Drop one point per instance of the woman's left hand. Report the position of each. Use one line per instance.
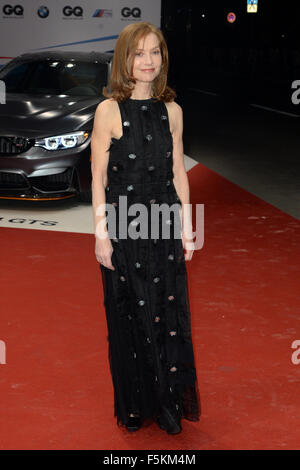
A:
(188, 245)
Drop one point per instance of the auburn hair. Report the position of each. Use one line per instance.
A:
(121, 82)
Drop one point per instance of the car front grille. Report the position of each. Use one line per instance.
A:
(57, 182)
(13, 145)
(12, 180)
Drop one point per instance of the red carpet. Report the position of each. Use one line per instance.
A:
(56, 389)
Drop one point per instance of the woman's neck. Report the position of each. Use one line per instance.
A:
(142, 92)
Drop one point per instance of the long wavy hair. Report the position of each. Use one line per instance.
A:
(121, 83)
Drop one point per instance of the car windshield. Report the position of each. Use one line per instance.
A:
(55, 77)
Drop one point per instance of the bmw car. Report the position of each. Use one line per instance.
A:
(46, 123)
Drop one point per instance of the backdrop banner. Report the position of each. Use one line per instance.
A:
(93, 25)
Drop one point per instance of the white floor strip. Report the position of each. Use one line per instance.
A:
(189, 163)
(68, 215)
(274, 110)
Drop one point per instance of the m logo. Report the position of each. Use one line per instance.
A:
(102, 13)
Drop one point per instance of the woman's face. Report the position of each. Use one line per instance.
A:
(147, 60)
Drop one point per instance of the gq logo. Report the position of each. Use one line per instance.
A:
(133, 12)
(9, 10)
(69, 11)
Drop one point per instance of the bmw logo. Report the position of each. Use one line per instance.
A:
(43, 12)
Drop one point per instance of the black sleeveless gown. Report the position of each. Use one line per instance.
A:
(146, 301)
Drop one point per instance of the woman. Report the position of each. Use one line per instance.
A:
(137, 153)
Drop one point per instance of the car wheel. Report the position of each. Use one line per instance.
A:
(85, 196)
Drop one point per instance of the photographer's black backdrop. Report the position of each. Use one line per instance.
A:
(257, 55)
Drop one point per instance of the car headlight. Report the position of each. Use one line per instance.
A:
(61, 142)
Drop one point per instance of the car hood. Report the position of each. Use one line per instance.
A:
(43, 116)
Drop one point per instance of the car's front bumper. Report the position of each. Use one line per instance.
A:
(42, 175)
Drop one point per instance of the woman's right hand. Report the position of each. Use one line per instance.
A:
(103, 252)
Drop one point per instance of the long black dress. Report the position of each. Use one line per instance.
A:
(146, 298)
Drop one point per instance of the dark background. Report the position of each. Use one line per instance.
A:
(234, 83)
(257, 56)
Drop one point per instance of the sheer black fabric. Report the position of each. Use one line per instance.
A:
(146, 298)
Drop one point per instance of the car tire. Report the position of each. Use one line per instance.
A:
(85, 196)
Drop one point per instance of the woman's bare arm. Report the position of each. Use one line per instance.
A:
(100, 143)
(181, 182)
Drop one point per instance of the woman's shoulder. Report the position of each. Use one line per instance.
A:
(174, 106)
(106, 114)
(174, 109)
(107, 104)
(107, 108)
